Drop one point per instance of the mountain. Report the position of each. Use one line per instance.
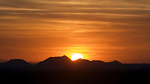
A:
(64, 63)
(115, 62)
(15, 64)
(61, 70)
(55, 63)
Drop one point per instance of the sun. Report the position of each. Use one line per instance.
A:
(76, 56)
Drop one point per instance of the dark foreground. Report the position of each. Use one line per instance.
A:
(61, 70)
(77, 77)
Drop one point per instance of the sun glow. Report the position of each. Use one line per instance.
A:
(76, 56)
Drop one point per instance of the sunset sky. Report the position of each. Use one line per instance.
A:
(105, 30)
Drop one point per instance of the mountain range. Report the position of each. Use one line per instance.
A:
(64, 63)
(62, 70)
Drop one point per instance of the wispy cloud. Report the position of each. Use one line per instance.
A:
(101, 25)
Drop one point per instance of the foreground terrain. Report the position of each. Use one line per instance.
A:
(61, 70)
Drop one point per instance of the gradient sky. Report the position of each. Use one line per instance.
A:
(105, 30)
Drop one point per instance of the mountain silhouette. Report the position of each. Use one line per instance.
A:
(64, 63)
(116, 62)
(55, 63)
(16, 64)
(62, 70)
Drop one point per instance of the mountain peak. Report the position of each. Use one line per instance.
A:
(64, 56)
(62, 62)
(17, 64)
(116, 62)
(16, 61)
(59, 58)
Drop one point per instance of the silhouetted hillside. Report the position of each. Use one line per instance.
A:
(15, 64)
(61, 70)
(55, 63)
(64, 63)
(115, 62)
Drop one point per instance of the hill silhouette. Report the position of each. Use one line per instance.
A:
(65, 63)
(55, 63)
(62, 70)
(15, 65)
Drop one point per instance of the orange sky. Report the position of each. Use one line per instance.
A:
(105, 30)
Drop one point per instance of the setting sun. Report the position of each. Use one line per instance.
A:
(76, 56)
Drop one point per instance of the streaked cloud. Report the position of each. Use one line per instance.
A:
(106, 29)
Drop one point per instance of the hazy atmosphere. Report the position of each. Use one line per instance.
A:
(105, 30)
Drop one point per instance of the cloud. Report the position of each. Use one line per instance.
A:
(107, 25)
(33, 42)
